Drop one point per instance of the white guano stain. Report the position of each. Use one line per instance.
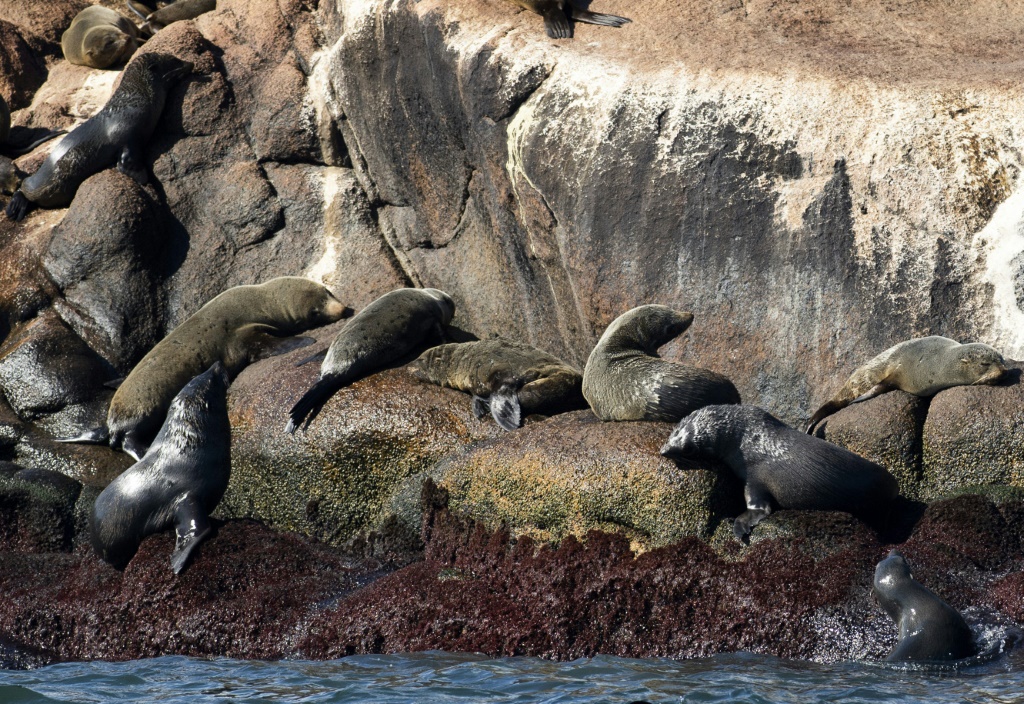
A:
(1000, 242)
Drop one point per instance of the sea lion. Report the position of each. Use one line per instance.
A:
(99, 37)
(557, 24)
(930, 629)
(117, 133)
(236, 328)
(179, 481)
(923, 366)
(397, 324)
(508, 379)
(175, 12)
(626, 380)
(781, 466)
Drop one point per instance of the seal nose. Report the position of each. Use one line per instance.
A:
(335, 309)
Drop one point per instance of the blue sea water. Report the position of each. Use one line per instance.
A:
(436, 678)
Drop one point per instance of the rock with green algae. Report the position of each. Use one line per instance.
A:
(571, 474)
(336, 479)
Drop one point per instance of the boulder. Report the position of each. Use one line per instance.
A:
(37, 510)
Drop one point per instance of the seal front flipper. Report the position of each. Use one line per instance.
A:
(308, 407)
(876, 390)
(759, 507)
(131, 165)
(191, 527)
(505, 407)
(581, 15)
(134, 446)
(822, 413)
(556, 24)
(96, 436)
(18, 207)
(481, 407)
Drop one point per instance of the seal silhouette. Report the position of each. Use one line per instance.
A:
(781, 467)
(930, 629)
(99, 37)
(397, 324)
(556, 13)
(508, 379)
(116, 134)
(923, 366)
(178, 483)
(626, 380)
(237, 327)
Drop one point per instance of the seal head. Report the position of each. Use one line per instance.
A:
(99, 38)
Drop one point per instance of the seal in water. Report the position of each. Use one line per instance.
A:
(923, 366)
(99, 37)
(626, 380)
(930, 629)
(179, 482)
(508, 379)
(168, 14)
(241, 325)
(557, 24)
(117, 133)
(397, 324)
(782, 467)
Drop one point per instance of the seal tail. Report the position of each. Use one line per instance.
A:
(18, 207)
(308, 407)
(96, 436)
(581, 15)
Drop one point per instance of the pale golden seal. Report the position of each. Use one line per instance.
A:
(923, 366)
(508, 379)
(626, 380)
(555, 12)
(237, 327)
(99, 37)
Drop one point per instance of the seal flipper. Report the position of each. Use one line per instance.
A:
(581, 15)
(557, 24)
(505, 407)
(823, 413)
(96, 436)
(481, 406)
(191, 527)
(759, 507)
(132, 166)
(261, 342)
(18, 207)
(134, 447)
(308, 407)
(312, 358)
(876, 390)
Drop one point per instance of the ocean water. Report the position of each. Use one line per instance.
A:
(436, 678)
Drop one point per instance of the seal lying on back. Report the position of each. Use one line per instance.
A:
(626, 380)
(923, 366)
(179, 482)
(507, 379)
(782, 467)
(930, 629)
(99, 37)
(391, 328)
(175, 12)
(237, 327)
(116, 134)
(557, 24)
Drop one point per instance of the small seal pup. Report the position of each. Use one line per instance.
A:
(116, 134)
(508, 379)
(557, 24)
(626, 380)
(930, 629)
(175, 12)
(781, 467)
(923, 366)
(241, 325)
(397, 324)
(99, 37)
(179, 482)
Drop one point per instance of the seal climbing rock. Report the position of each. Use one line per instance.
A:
(116, 134)
(99, 37)
(923, 366)
(179, 481)
(782, 467)
(508, 379)
(626, 380)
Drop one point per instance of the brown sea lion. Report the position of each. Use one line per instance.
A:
(626, 380)
(394, 326)
(556, 23)
(241, 325)
(923, 367)
(782, 467)
(116, 134)
(99, 37)
(508, 379)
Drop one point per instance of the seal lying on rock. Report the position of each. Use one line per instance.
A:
(391, 328)
(175, 12)
(626, 380)
(99, 37)
(923, 366)
(507, 379)
(116, 134)
(557, 24)
(930, 629)
(236, 328)
(179, 482)
(781, 466)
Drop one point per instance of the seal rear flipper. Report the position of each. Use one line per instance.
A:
(481, 407)
(191, 527)
(505, 408)
(581, 15)
(759, 507)
(114, 383)
(18, 207)
(312, 358)
(557, 24)
(131, 165)
(308, 407)
(96, 436)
